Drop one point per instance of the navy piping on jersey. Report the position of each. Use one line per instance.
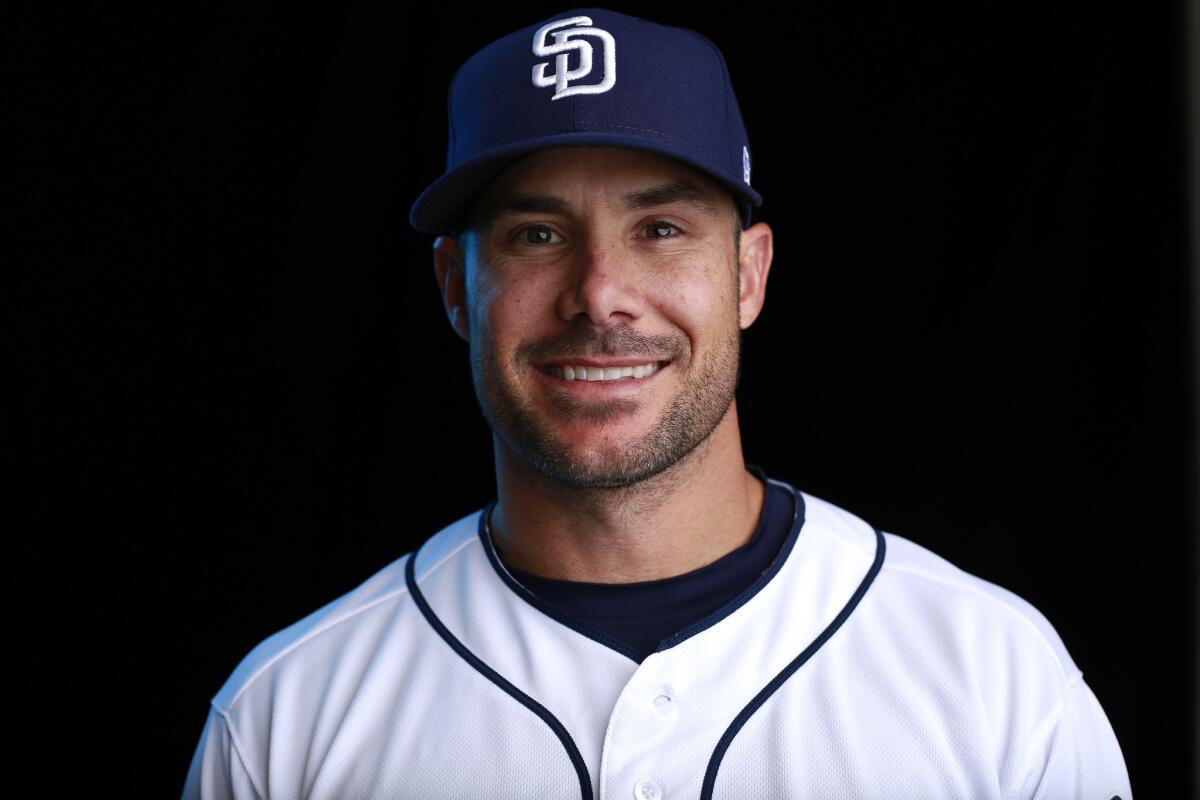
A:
(675, 638)
(585, 781)
(714, 763)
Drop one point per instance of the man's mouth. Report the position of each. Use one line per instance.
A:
(611, 371)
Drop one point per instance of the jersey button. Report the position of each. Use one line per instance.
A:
(662, 700)
(647, 790)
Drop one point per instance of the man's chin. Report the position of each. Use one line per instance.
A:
(608, 469)
(580, 453)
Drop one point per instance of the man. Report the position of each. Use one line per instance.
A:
(639, 612)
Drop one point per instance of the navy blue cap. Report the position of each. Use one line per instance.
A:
(589, 77)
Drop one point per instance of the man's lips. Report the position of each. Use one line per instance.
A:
(580, 361)
(602, 372)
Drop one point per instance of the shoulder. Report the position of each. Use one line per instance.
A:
(341, 632)
(937, 602)
(972, 659)
(966, 600)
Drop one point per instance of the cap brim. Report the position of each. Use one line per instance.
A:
(438, 208)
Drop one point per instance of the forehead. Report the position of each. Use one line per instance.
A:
(607, 176)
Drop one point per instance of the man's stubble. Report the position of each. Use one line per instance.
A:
(688, 420)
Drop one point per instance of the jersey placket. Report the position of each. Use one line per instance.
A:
(666, 728)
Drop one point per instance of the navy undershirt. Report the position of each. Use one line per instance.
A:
(643, 614)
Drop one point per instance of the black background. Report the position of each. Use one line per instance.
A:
(237, 395)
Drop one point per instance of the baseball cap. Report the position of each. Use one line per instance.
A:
(589, 77)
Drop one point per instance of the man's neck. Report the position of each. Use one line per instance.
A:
(704, 506)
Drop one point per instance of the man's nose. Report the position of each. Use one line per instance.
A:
(602, 286)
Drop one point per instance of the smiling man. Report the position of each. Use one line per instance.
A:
(639, 612)
(603, 296)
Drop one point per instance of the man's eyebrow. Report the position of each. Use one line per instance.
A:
(679, 191)
(534, 204)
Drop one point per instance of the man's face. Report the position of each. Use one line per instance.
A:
(602, 261)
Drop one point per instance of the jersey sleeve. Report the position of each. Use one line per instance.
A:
(1078, 757)
(217, 771)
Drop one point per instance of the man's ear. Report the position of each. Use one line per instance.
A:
(757, 250)
(450, 269)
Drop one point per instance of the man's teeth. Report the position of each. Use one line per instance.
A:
(603, 373)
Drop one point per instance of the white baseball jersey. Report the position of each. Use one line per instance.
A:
(859, 665)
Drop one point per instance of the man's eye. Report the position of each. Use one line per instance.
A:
(661, 230)
(536, 234)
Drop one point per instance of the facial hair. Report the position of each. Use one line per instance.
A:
(690, 417)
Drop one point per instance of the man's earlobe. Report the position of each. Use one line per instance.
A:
(459, 321)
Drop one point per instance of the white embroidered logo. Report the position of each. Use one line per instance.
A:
(746, 164)
(562, 47)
